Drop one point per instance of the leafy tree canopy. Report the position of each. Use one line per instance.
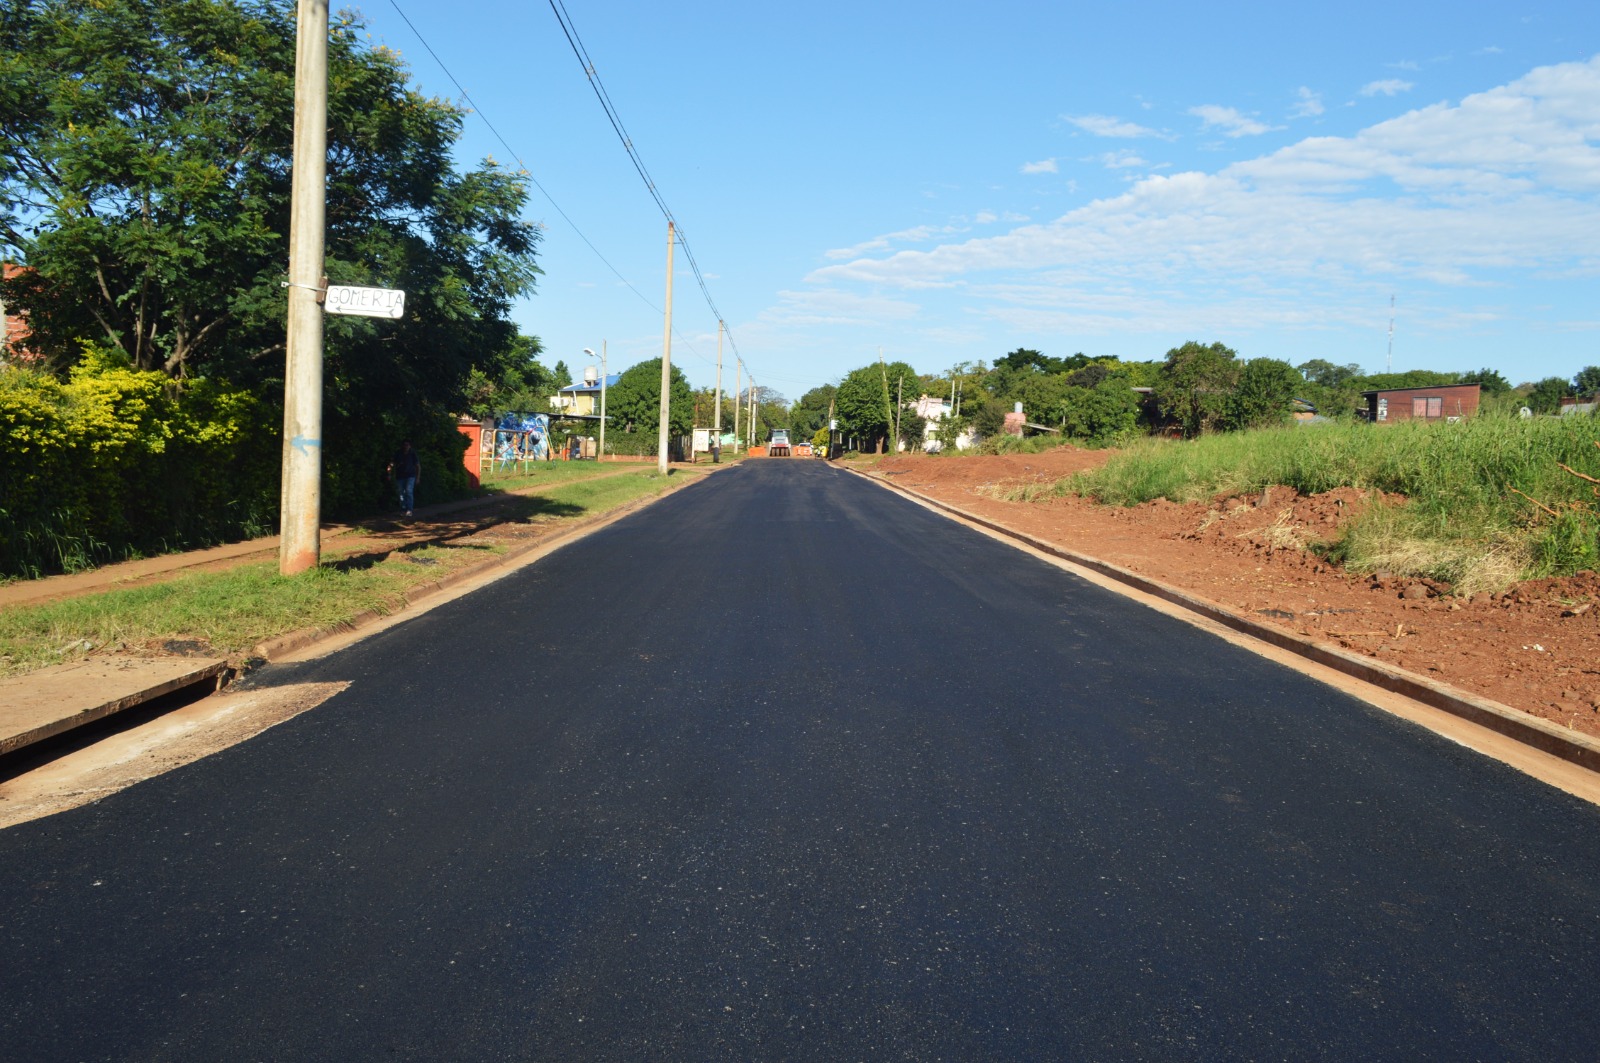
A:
(1587, 382)
(1195, 385)
(1545, 395)
(1489, 381)
(146, 177)
(1025, 359)
(1326, 374)
(864, 399)
(1101, 415)
(514, 381)
(1262, 395)
(810, 412)
(1414, 378)
(633, 403)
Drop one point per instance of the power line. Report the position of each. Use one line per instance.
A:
(483, 116)
(578, 49)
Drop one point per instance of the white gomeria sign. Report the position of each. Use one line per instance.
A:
(364, 302)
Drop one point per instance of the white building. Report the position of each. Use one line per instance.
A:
(933, 411)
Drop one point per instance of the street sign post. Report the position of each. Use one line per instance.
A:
(365, 302)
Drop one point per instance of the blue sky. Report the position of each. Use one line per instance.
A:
(950, 182)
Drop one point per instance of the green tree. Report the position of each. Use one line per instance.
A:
(145, 185)
(1587, 382)
(1412, 378)
(146, 177)
(1261, 397)
(1326, 374)
(633, 403)
(810, 412)
(1195, 385)
(514, 382)
(1545, 395)
(1489, 381)
(1101, 415)
(859, 401)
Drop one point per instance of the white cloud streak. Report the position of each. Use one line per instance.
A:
(1042, 166)
(1106, 126)
(1448, 196)
(1386, 87)
(1229, 122)
(1308, 104)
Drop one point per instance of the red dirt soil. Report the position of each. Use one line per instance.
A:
(1535, 647)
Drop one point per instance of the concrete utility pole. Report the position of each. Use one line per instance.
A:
(738, 367)
(666, 364)
(716, 418)
(899, 404)
(602, 455)
(752, 411)
(300, 542)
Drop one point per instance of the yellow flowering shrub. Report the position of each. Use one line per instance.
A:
(114, 462)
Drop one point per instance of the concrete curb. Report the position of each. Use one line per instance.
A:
(1531, 731)
(33, 711)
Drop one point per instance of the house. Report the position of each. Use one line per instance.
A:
(13, 327)
(1444, 402)
(582, 399)
(932, 411)
(1577, 407)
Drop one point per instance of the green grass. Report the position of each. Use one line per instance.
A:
(235, 609)
(1463, 520)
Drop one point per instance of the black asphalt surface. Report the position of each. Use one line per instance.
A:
(787, 768)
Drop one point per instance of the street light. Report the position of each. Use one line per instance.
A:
(600, 454)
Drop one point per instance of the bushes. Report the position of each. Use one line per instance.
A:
(115, 462)
(1487, 501)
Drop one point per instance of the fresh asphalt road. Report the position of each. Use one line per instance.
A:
(788, 768)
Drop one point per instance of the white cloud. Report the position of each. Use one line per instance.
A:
(1308, 104)
(1106, 126)
(917, 235)
(1120, 160)
(1491, 49)
(1503, 184)
(1229, 121)
(829, 306)
(1387, 87)
(1042, 166)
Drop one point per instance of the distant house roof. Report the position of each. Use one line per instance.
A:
(1425, 387)
(611, 382)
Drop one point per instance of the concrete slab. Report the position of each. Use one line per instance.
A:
(45, 703)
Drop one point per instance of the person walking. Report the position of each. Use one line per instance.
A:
(406, 468)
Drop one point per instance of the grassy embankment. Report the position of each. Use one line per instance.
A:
(1486, 500)
(235, 609)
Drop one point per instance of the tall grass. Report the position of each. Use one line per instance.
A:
(1463, 520)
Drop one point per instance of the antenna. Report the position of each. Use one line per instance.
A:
(1389, 364)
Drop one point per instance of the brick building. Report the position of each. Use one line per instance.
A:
(1445, 402)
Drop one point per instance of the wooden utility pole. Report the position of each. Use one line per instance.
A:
(300, 539)
(666, 364)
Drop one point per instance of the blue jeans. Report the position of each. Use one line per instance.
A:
(408, 488)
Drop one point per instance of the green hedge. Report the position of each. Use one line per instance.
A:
(114, 463)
